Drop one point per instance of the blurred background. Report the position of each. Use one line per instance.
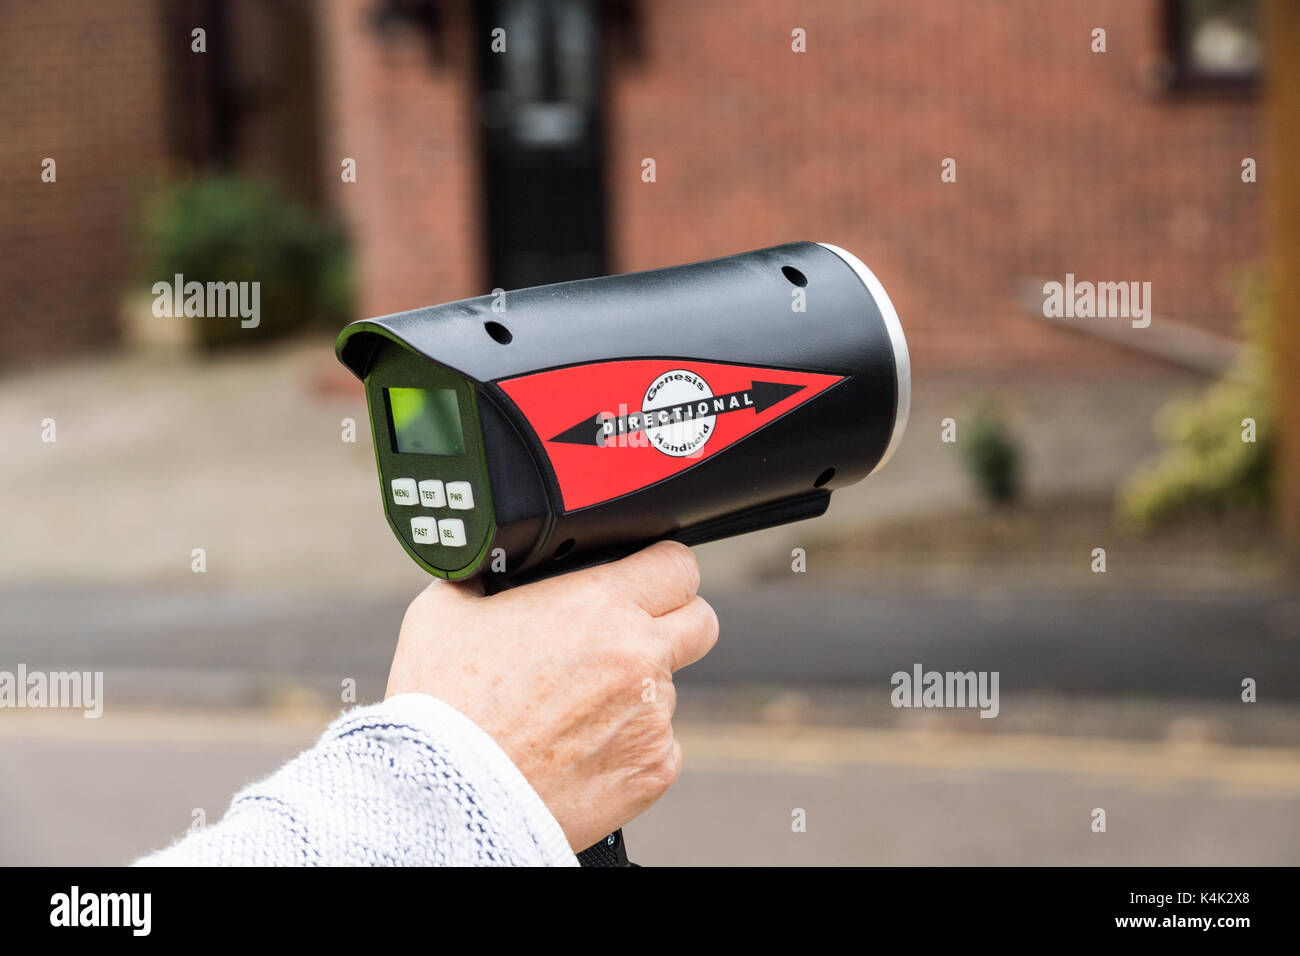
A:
(184, 510)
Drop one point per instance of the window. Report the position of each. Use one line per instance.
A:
(1213, 44)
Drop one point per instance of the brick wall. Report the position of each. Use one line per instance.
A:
(79, 83)
(1065, 163)
(407, 119)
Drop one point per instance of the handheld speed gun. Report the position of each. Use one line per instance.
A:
(528, 433)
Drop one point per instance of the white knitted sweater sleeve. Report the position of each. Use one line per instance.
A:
(409, 782)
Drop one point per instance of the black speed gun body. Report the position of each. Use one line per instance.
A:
(525, 433)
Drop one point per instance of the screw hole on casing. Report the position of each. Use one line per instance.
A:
(794, 275)
(824, 477)
(498, 332)
(565, 547)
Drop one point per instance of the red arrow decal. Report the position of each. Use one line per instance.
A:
(611, 428)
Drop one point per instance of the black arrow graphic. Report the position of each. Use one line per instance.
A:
(593, 430)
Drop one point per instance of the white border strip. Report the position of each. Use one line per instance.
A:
(902, 361)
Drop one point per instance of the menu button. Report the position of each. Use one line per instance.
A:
(404, 491)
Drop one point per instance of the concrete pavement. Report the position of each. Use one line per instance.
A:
(245, 457)
(104, 792)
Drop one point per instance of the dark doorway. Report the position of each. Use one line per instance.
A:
(541, 135)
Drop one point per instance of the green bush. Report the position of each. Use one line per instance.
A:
(1207, 466)
(220, 228)
(991, 455)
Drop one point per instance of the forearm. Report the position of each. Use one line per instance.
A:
(409, 782)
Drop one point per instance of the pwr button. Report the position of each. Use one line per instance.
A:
(460, 495)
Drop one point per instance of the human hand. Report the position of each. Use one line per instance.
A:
(572, 676)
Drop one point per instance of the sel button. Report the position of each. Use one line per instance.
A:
(431, 495)
(459, 495)
(404, 491)
(451, 532)
(424, 530)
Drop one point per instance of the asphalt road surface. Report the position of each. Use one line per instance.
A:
(227, 647)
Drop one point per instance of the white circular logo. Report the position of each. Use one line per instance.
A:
(679, 407)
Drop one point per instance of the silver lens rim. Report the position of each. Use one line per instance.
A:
(902, 360)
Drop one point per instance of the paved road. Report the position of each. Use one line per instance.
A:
(103, 792)
(229, 647)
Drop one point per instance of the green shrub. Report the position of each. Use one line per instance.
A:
(220, 228)
(991, 455)
(1207, 467)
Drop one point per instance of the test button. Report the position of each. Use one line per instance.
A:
(431, 494)
(460, 495)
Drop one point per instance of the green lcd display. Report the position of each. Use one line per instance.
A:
(425, 421)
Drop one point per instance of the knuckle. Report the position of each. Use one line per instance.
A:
(594, 607)
(664, 771)
(685, 565)
(607, 597)
(588, 590)
(667, 694)
(679, 564)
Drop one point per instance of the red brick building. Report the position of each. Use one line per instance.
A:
(475, 167)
